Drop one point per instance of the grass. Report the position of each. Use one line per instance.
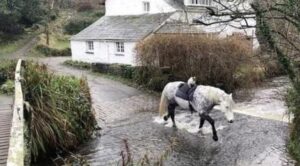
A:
(9, 46)
(56, 41)
(8, 87)
(61, 112)
(61, 43)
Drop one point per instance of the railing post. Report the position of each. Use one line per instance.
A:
(17, 146)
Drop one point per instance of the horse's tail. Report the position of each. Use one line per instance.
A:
(163, 103)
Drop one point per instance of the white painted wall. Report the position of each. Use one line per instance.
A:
(127, 58)
(104, 52)
(135, 7)
(79, 52)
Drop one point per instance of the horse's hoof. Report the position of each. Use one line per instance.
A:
(174, 126)
(165, 118)
(200, 131)
(215, 138)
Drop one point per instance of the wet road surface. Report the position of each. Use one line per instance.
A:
(126, 113)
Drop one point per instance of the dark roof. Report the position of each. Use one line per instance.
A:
(133, 27)
(172, 28)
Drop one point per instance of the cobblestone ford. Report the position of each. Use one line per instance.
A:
(126, 113)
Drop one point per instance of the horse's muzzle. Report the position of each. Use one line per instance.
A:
(230, 121)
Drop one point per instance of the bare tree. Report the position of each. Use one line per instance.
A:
(277, 24)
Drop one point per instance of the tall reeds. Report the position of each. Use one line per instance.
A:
(60, 107)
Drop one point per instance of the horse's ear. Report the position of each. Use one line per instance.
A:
(230, 95)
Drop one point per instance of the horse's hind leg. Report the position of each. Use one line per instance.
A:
(166, 117)
(171, 109)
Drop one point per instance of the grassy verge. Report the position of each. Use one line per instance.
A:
(7, 69)
(119, 78)
(9, 46)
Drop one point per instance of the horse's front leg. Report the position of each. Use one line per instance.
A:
(212, 123)
(202, 120)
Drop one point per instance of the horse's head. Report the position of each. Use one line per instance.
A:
(226, 106)
(192, 81)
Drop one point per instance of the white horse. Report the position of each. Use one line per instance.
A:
(203, 101)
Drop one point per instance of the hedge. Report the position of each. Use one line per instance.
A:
(47, 51)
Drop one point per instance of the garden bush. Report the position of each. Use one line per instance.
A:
(127, 71)
(61, 112)
(100, 67)
(78, 64)
(8, 87)
(76, 25)
(214, 61)
(47, 51)
(7, 70)
(124, 71)
(9, 24)
(293, 102)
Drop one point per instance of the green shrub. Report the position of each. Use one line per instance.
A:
(127, 71)
(114, 69)
(8, 87)
(153, 78)
(157, 83)
(293, 102)
(77, 24)
(61, 111)
(9, 24)
(100, 67)
(124, 71)
(7, 70)
(78, 64)
(47, 51)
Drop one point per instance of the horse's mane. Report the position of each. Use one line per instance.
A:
(212, 93)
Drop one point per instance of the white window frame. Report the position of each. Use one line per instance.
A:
(146, 6)
(201, 2)
(90, 47)
(120, 48)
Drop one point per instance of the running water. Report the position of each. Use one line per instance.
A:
(265, 102)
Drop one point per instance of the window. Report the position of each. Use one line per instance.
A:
(201, 2)
(90, 46)
(146, 6)
(120, 47)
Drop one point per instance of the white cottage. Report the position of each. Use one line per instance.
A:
(112, 39)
